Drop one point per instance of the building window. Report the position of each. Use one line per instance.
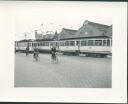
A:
(98, 42)
(83, 43)
(90, 42)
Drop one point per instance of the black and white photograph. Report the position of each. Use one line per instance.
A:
(62, 47)
(63, 51)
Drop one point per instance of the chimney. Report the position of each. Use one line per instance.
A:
(36, 34)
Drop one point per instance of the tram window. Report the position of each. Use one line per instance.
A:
(90, 42)
(51, 44)
(43, 44)
(83, 43)
(55, 43)
(98, 42)
(40, 43)
(46, 43)
(25, 44)
(61, 43)
(104, 42)
(108, 42)
(72, 43)
(29, 44)
(67, 43)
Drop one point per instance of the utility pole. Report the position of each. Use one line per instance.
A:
(25, 35)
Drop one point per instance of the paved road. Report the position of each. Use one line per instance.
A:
(71, 71)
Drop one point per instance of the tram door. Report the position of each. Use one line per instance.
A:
(57, 44)
(78, 45)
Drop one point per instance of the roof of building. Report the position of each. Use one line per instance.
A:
(48, 36)
(26, 40)
(109, 31)
(96, 24)
(67, 33)
(88, 29)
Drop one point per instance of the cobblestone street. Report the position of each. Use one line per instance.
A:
(70, 72)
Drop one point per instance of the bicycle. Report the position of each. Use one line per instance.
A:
(36, 56)
(54, 58)
(27, 53)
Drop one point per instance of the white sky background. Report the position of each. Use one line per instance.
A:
(55, 15)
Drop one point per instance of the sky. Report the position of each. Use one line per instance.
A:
(55, 15)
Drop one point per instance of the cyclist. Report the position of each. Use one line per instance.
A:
(53, 54)
(36, 53)
(27, 51)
